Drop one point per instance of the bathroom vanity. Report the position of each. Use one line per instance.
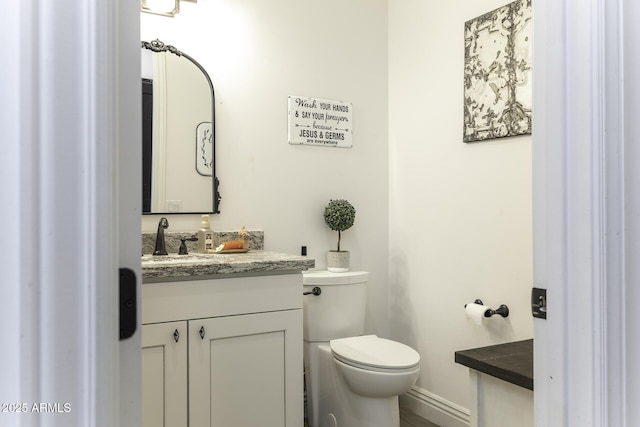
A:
(501, 384)
(222, 339)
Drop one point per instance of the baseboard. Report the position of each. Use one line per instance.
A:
(435, 408)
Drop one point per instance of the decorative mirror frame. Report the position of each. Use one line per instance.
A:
(158, 46)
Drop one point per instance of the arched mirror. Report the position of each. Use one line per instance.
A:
(178, 122)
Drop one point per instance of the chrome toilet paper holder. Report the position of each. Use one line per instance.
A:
(502, 310)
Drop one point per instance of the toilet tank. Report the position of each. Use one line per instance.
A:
(339, 311)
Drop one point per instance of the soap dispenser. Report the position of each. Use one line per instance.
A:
(205, 236)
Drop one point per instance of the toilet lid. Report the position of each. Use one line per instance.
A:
(369, 350)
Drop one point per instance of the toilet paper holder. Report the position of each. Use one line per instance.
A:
(502, 310)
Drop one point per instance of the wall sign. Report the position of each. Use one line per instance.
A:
(314, 121)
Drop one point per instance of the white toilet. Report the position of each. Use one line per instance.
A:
(352, 380)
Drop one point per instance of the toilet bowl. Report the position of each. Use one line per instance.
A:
(352, 380)
(376, 367)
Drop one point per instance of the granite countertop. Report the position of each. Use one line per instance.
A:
(172, 240)
(511, 362)
(197, 266)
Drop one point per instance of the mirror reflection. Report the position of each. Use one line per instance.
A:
(178, 138)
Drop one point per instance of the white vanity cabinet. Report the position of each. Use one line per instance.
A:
(164, 374)
(239, 361)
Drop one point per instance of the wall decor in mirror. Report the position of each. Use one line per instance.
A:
(161, 7)
(178, 133)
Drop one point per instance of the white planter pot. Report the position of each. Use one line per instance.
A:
(338, 261)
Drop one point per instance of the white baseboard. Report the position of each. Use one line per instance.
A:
(435, 408)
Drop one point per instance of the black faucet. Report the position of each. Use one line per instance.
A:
(160, 248)
(183, 246)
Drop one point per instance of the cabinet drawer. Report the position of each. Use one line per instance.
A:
(169, 301)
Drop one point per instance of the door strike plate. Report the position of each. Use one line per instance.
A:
(539, 303)
(128, 305)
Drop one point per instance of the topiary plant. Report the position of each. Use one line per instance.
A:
(339, 215)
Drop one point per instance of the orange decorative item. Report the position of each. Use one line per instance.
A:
(233, 244)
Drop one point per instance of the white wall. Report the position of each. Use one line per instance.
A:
(456, 217)
(257, 53)
(459, 214)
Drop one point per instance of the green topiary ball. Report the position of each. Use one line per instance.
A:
(339, 215)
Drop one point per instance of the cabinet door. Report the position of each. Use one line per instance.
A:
(164, 374)
(246, 371)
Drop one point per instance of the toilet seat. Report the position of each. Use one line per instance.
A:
(372, 353)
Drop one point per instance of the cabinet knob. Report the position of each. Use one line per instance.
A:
(176, 335)
(202, 332)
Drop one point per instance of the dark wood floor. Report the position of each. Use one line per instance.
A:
(408, 419)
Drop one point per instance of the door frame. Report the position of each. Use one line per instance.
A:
(586, 229)
(69, 119)
(585, 200)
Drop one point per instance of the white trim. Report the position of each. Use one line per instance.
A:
(548, 258)
(612, 148)
(129, 208)
(580, 226)
(60, 146)
(628, 384)
(435, 408)
(19, 370)
(75, 144)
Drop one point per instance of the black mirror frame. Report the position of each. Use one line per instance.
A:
(158, 46)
